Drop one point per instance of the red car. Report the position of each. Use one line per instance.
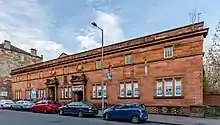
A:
(45, 106)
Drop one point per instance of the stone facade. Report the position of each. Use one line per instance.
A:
(12, 57)
(159, 69)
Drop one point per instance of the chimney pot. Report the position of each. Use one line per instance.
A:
(7, 44)
(33, 52)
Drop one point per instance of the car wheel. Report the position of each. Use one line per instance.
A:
(80, 114)
(135, 120)
(11, 108)
(32, 109)
(45, 111)
(107, 116)
(21, 109)
(61, 112)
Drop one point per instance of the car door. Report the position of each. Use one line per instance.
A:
(68, 108)
(117, 112)
(126, 111)
(37, 106)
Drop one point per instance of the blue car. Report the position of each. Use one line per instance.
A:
(133, 112)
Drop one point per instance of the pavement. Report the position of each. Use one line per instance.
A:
(8, 117)
(179, 120)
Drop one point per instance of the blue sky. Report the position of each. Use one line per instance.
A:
(55, 26)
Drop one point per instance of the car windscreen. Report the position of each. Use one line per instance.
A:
(87, 104)
(52, 102)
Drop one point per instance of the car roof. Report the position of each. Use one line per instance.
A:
(131, 103)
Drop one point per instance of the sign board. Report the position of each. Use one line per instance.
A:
(4, 93)
(77, 88)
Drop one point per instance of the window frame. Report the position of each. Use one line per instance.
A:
(18, 94)
(28, 94)
(95, 94)
(173, 88)
(41, 74)
(126, 59)
(65, 94)
(132, 89)
(41, 93)
(98, 64)
(166, 54)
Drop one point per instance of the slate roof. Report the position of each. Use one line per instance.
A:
(18, 50)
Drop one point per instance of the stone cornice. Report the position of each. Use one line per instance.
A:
(158, 38)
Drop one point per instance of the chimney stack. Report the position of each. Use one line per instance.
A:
(33, 52)
(7, 44)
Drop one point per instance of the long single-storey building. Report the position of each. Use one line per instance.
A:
(162, 69)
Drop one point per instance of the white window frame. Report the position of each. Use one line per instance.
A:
(70, 92)
(128, 59)
(129, 87)
(98, 64)
(41, 74)
(167, 85)
(66, 95)
(135, 86)
(178, 84)
(122, 87)
(62, 93)
(94, 91)
(99, 88)
(168, 52)
(159, 86)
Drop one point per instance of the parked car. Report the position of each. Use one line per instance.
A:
(78, 108)
(45, 106)
(22, 105)
(133, 112)
(6, 104)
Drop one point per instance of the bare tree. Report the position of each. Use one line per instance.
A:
(212, 64)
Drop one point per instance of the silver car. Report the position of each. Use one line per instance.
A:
(4, 104)
(22, 105)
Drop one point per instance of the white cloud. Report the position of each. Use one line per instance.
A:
(25, 23)
(113, 32)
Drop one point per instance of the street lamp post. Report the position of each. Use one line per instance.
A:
(94, 24)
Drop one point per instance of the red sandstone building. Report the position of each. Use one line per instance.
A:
(165, 69)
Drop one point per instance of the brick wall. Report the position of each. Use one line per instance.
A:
(211, 99)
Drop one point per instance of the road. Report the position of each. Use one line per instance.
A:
(8, 117)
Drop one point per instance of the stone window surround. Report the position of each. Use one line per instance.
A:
(98, 64)
(41, 74)
(168, 52)
(128, 58)
(173, 88)
(132, 88)
(67, 94)
(18, 94)
(96, 85)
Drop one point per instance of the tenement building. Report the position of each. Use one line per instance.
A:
(165, 69)
(12, 57)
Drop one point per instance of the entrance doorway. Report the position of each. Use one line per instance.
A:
(51, 93)
(78, 96)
